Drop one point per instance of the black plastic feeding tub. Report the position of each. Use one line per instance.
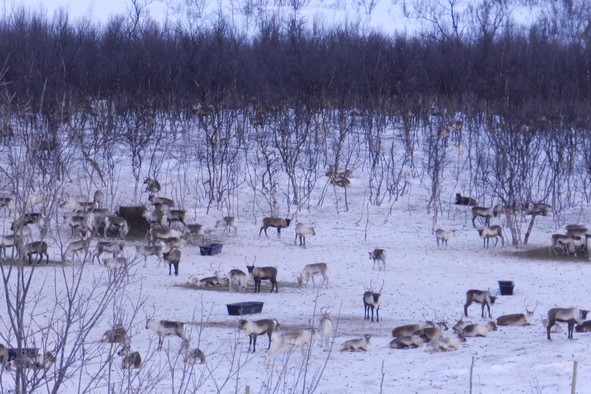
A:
(210, 249)
(506, 287)
(244, 308)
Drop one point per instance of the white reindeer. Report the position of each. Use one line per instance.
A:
(302, 339)
(479, 330)
(238, 279)
(444, 236)
(255, 328)
(301, 232)
(486, 233)
(325, 329)
(228, 223)
(310, 271)
(166, 328)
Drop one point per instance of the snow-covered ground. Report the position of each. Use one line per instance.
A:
(421, 281)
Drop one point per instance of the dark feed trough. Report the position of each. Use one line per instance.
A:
(244, 308)
(506, 287)
(210, 249)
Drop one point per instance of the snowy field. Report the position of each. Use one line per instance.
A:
(421, 282)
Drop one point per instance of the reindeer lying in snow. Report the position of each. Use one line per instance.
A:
(354, 345)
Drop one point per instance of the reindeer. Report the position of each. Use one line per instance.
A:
(566, 315)
(166, 328)
(117, 334)
(302, 339)
(371, 300)
(540, 209)
(238, 278)
(409, 329)
(116, 223)
(584, 326)
(274, 222)
(159, 234)
(36, 247)
(81, 245)
(258, 327)
(228, 223)
(156, 219)
(175, 215)
(3, 354)
(194, 230)
(407, 341)
(191, 356)
(32, 361)
(565, 242)
(98, 198)
(432, 333)
(115, 248)
(263, 273)
(325, 329)
(486, 233)
(6, 202)
(378, 255)
(172, 257)
(463, 200)
(444, 236)
(149, 250)
(356, 344)
(517, 319)
(116, 263)
(445, 344)
(130, 359)
(311, 270)
(77, 221)
(36, 218)
(486, 213)
(484, 298)
(301, 231)
(479, 330)
(10, 241)
(152, 185)
(159, 202)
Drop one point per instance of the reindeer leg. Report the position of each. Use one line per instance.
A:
(466, 305)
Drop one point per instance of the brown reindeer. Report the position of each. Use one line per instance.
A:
(484, 298)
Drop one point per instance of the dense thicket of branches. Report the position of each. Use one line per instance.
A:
(56, 63)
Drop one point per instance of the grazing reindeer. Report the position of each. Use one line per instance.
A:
(228, 223)
(407, 341)
(378, 255)
(149, 250)
(258, 327)
(194, 230)
(325, 329)
(311, 270)
(479, 330)
(301, 231)
(371, 300)
(116, 263)
(117, 334)
(130, 359)
(484, 298)
(81, 245)
(567, 315)
(444, 236)
(486, 233)
(565, 242)
(274, 222)
(464, 200)
(486, 213)
(191, 356)
(166, 328)
(115, 248)
(303, 339)
(152, 185)
(445, 344)
(238, 278)
(173, 257)
(540, 209)
(354, 345)
(263, 273)
(36, 247)
(116, 223)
